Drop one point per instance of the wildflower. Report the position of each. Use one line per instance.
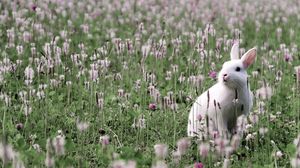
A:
(264, 92)
(288, 57)
(241, 124)
(221, 144)
(168, 75)
(58, 143)
(47, 49)
(213, 74)
(121, 93)
(93, 74)
(131, 164)
(176, 156)
(27, 109)
(85, 28)
(297, 71)
(235, 141)
(33, 51)
(26, 36)
(37, 147)
(279, 76)
(43, 86)
(136, 106)
(68, 83)
(118, 164)
(141, 122)
(19, 126)
(249, 137)
(181, 78)
(6, 152)
(253, 118)
(152, 106)
(215, 134)
(40, 94)
(11, 37)
(228, 151)
(174, 68)
(204, 149)
(17, 163)
(115, 155)
(49, 161)
(226, 163)
(20, 49)
(263, 131)
(137, 85)
(32, 138)
(5, 98)
(160, 164)
(295, 162)
(151, 77)
(146, 50)
(123, 164)
(29, 73)
(161, 151)
(217, 164)
(60, 132)
(104, 140)
(82, 126)
(33, 7)
(248, 126)
(278, 154)
(255, 74)
(278, 33)
(272, 117)
(297, 142)
(100, 103)
(54, 83)
(182, 145)
(196, 80)
(198, 165)
(261, 107)
(66, 47)
(133, 125)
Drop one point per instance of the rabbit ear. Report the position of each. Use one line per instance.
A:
(234, 53)
(249, 57)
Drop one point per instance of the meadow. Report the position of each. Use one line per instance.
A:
(110, 83)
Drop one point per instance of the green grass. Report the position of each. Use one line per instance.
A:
(63, 105)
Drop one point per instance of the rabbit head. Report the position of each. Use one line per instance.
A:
(233, 73)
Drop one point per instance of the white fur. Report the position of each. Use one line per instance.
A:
(234, 53)
(224, 102)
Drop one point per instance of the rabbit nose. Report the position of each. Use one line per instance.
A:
(225, 77)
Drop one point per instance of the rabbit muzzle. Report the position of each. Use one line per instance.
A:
(225, 77)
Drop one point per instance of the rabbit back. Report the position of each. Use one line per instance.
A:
(217, 109)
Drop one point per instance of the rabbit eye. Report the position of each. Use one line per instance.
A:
(237, 69)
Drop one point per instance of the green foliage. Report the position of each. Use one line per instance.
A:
(65, 105)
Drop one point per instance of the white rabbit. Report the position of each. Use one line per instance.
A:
(217, 109)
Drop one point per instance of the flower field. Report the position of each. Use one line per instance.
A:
(110, 83)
